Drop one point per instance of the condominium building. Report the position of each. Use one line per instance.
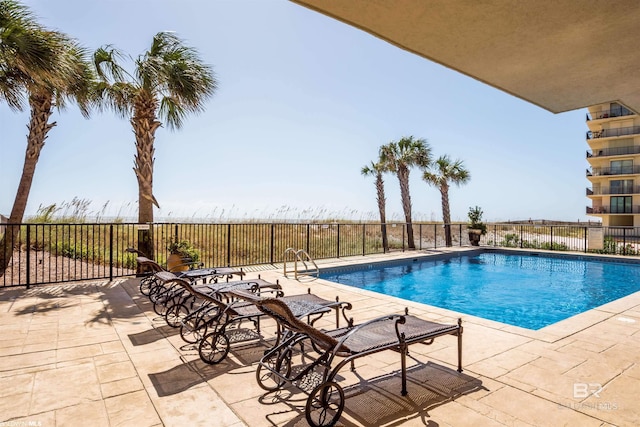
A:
(614, 164)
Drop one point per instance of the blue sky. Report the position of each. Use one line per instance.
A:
(303, 103)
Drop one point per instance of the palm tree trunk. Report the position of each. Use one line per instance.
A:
(403, 177)
(446, 213)
(39, 126)
(382, 201)
(144, 125)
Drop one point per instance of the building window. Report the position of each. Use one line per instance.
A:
(621, 204)
(619, 167)
(617, 110)
(621, 186)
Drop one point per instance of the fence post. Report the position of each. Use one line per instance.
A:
(495, 235)
(271, 248)
(308, 239)
(404, 228)
(111, 252)
(338, 244)
(420, 235)
(28, 256)
(435, 237)
(363, 238)
(551, 237)
(521, 236)
(460, 233)
(624, 241)
(228, 244)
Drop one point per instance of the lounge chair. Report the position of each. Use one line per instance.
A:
(183, 299)
(318, 376)
(174, 299)
(212, 274)
(218, 323)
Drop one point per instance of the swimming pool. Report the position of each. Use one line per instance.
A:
(527, 290)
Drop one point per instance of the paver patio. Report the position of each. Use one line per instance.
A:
(97, 352)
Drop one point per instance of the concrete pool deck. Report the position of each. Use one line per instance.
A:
(97, 352)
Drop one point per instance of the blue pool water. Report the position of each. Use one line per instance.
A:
(522, 290)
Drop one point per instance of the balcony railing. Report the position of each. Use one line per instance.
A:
(627, 170)
(617, 151)
(607, 133)
(613, 210)
(615, 112)
(608, 190)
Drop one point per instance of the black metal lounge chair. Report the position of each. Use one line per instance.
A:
(182, 301)
(201, 273)
(317, 376)
(217, 323)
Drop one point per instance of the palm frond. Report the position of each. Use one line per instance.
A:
(106, 61)
(173, 112)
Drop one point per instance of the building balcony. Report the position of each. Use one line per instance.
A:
(630, 170)
(618, 151)
(608, 133)
(606, 210)
(604, 191)
(615, 112)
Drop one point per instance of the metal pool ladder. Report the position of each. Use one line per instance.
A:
(301, 256)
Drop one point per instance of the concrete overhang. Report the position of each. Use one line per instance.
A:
(558, 54)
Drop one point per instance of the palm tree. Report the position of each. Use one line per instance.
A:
(27, 53)
(377, 169)
(399, 157)
(60, 73)
(445, 173)
(170, 81)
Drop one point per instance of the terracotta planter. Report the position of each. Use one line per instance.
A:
(174, 263)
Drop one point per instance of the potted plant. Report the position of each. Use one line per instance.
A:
(182, 255)
(475, 226)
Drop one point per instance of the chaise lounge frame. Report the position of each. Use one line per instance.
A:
(317, 376)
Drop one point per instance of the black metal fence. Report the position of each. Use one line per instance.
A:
(52, 253)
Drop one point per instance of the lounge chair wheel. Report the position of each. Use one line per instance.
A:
(160, 306)
(155, 290)
(146, 285)
(175, 314)
(278, 362)
(213, 348)
(193, 328)
(325, 405)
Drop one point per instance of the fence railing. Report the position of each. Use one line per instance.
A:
(52, 253)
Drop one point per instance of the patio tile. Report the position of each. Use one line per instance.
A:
(15, 406)
(115, 371)
(94, 412)
(534, 410)
(72, 385)
(195, 406)
(617, 403)
(21, 361)
(123, 386)
(72, 353)
(454, 414)
(131, 409)
(20, 383)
